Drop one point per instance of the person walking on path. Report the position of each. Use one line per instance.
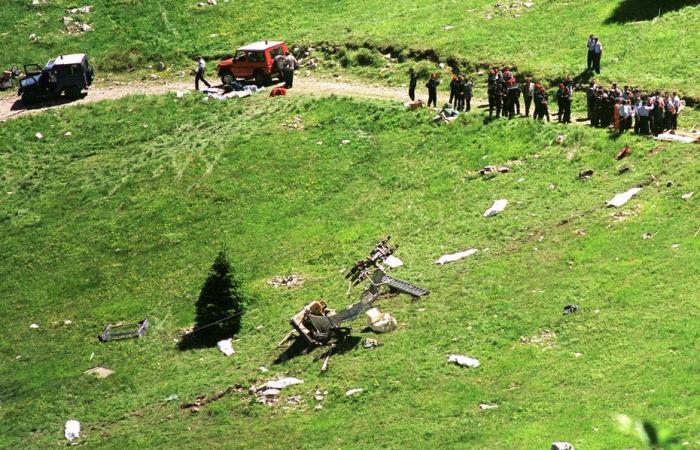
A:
(597, 54)
(591, 52)
(412, 82)
(199, 73)
(432, 86)
(291, 66)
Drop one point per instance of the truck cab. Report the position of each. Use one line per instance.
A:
(254, 61)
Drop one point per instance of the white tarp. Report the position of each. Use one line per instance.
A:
(226, 346)
(282, 383)
(498, 206)
(464, 361)
(72, 430)
(622, 198)
(444, 259)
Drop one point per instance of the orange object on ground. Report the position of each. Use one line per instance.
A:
(278, 91)
(622, 153)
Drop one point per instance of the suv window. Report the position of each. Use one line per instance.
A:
(240, 56)
(276, 51)
(256, 57)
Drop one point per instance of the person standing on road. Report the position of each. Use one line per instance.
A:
(528, 92)
(199, 73)
(280, 64)
(291, 65)
(591, 52)
(541, 104)
(597, 54)
(412, 82)
(432, 85)
(454, 87)
(467, 85)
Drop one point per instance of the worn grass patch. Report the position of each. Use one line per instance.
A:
(122, 219)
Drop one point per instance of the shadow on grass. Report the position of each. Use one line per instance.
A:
(343, 344)
(21, 105)
(638, 10)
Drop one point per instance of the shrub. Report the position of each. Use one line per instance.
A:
(367, 57)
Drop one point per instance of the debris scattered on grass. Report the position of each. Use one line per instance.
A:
(624, 152)
(171, 397)
(488, 170)
(226, 346)
(687, 196)
(675, 245)
(345, 142)
(99, 372)
(447, 28)
(414, 105)
(497, 207)
(464, 361)
(545, 339)
(370, 343)
(68, 134)
(560, 139)
(82, 10)
(351, 392)
(444, 259)
(622, 198)
(297, 123)
(578, 354)
(647, 236)
(380, 322)
(39, 136)
(569, 309)
(33, 326)
(72, 430)
(483, 406)
(622, 170)
(263, 369)
(288, 281)
(393, 262)
(585, 175)
(294, 400)
(203, 400)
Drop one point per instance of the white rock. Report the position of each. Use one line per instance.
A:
(380, 322)
(67, 322)
(352, 392)
(226, 347)
(33, 37)
(497, 207)
(72, 430)
(464, 361)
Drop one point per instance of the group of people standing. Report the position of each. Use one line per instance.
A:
(286, 65)
(629, 109)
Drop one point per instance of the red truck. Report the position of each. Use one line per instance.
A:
(254, 61)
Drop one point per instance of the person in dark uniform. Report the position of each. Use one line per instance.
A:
(432, 86)
(560, 101)
(459, 94)
(468, 88)
(412, 82)
(541, 104)
(495, 93)
(566, 105)
(454, 86)
(590, 99)
(512, 94)
(528, 93)
(518, 91)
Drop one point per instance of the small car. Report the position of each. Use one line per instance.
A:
(67, 74)
(254, 61)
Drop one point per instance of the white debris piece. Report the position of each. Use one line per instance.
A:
(39, 136)
(33, 326)
(82, 10)
(677, 138)
(352, 392)
(687, 196)
(345, 142)
(622, 198)
(380, 322)
(180, 94)
(497, 207)
(487, 406)
(68, 133)
(444, 259)
(282, 383)
(464, 361)
(263, 369)
(562, 446)
(72, 430)
(226, 346)
(99, 372)
(447, 27)
(393, 262)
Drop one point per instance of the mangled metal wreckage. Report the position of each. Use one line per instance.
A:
(316, 324)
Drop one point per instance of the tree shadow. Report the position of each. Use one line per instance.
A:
(638, 10)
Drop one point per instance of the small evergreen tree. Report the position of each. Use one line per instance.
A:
(220, 305)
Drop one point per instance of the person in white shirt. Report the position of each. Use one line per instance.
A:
(591, 49)
(643, 111)
(597, 54)
(678, 107)
(291, 65)
(199, 73)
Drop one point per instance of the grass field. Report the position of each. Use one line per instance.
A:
(121, 220)
(547, 40)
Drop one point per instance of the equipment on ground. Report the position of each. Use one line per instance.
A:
(115, 332)
(66, 75)
(8, 78)
(316, 324)
(254, 61)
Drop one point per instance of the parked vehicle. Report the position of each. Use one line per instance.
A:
(67, 74)
(254, 61)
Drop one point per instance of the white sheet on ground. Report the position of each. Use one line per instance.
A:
(444, 259)
(226, 346)
(393, 262)
(464, 361)
(282, 383)
(72, 430)
(498, 206)
(622, 198)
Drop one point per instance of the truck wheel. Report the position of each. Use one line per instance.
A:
(261, 79)
(73, 91)
(227, 79)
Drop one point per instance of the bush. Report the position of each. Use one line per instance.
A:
(366, 57)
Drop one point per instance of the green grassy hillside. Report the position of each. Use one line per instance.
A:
(547, 39)
(121, 220)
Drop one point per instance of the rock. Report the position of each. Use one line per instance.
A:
(447, 27)
(153, 76)
(351, 392)
(528, 4)
(497, 207)
(562, 446)
(67, 20)
(211, 2)
(288, 281)
(294, 400)
(380, 322)
(99, 372)
(441, 65)
(226, 346)
(282, 383)
(263, 369)
(36, 2)
(647, 236)
(464, 361)
(85, 27)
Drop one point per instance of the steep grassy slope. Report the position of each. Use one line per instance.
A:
(547, 39)
(121, 220)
